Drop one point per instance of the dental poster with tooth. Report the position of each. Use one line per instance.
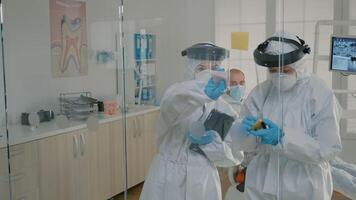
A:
(69, 56)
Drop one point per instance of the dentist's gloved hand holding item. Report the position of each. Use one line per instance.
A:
(247, 123)
(215, 88)
(206, 138)
(301, 133)
(178, 171)
(272, 134)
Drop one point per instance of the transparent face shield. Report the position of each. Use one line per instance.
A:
(205, 68)
(281, 78)
(205, 61)
(271, 105)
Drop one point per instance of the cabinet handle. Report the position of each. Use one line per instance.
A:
(75, 146)
(139, 127)
(135, 127)
(82, 144)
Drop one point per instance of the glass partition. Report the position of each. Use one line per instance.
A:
(166, 99)
(349, 102)
(4, 149)
(330, 124)
(153, 41)
(62, 82)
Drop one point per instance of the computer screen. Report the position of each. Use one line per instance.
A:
(343, 54)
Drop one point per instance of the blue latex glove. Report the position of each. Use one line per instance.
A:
(215, 90)
(247, 124)
(207, 138)
(271, 135)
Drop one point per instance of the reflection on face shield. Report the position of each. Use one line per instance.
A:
(203, 71)
(204, 65)
(204, 75)
(283, 78)
(283, 81)
(203, 56)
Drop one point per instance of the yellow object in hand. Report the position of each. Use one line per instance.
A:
(259, 125)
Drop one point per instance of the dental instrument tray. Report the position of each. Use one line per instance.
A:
(78, 105)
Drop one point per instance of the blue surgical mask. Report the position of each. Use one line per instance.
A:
(237, 92)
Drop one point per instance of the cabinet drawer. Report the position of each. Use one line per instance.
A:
(4, 189)
(24, 182)
(3, 162)
(33, 195)
(23, 156)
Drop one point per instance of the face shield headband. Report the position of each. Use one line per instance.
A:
(206, 51)
(266, 60)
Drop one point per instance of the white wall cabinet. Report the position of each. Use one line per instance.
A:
(83, 164)
(4, 183)
(24, 171)
(117, 157)
(151, 147)
(64, 167)
(106, 160)
(141, 146)
(24, 177)
(76, 165)
(135, 149)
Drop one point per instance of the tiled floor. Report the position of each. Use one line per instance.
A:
(337, 196)
(134, 193)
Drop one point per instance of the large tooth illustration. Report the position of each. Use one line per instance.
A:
(71, 43)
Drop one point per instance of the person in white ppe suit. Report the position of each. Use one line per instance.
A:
(344, 177)
(234, 96)
(301, 132)
(178, 172)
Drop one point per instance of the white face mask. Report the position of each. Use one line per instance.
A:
(204, 75)
(286, 81)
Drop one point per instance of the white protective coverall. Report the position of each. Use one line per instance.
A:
(233, 103)
(177, 173)
(344, 177)
(297, 168)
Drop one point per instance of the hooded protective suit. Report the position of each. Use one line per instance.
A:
(311, 139)
(344, 177)
(177, 173)
(297, 168)
(233, 103)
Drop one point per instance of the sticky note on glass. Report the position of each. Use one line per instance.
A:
(239, 40)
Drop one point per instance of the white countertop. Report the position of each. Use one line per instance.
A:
(21, 134)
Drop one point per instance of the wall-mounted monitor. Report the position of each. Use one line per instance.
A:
(343, 54)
